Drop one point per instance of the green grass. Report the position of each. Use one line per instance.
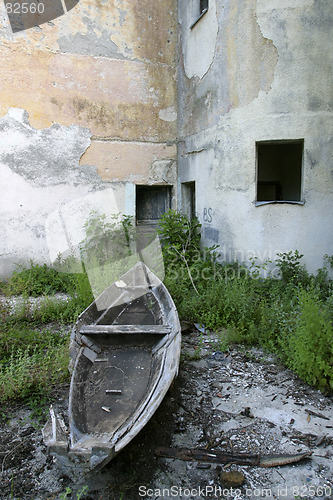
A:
(33, 352)
(34, 341)
(31, 370)
(293, 320)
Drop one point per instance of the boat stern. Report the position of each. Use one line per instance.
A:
(86, 455)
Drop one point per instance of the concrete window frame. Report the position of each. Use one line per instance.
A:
(279, 172)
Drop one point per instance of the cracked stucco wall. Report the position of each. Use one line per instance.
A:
(227, 61)
(40, 172)
(87, 102)
(265, 75)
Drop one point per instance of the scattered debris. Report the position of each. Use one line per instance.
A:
(247, 412)
(106, 409)
(201, 328)
(214, 456)
(278, 460)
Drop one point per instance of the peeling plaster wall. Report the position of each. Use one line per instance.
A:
(87, 101)
(238, 62)
(270, 79)
(40, 175)
(108, 66)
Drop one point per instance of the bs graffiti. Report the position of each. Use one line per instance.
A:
(207, 214)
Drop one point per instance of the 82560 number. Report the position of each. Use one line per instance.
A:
(25, 8)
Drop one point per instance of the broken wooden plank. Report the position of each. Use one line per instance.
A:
(316, 414)
(125, 329)
(89, 343)
(218, 456)
(215, 456)
(311, 440)
(90, 354)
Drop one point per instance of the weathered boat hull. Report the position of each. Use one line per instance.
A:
(125, 349)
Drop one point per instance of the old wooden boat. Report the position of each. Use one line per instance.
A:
(126, 349)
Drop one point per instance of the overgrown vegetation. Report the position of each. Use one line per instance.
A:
(288, 310)
(33, 351)
(37, 280)
(34, 334)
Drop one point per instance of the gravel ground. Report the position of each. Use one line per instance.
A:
(240, 401)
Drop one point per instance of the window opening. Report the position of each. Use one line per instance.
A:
(279, 171)
(203, 6)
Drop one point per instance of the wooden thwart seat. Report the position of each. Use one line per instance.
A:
(125, 329)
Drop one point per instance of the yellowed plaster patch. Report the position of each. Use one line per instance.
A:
(148, 33)
(126, 161)
(110, 97)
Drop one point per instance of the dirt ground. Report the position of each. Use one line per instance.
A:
(239, 401)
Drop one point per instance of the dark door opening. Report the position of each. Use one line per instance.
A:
(188, 199)
(151, 203)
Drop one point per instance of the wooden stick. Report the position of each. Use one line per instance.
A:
(218, 456)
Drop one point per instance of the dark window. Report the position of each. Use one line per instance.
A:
(151, 203)
(203, 6)
(279, 174)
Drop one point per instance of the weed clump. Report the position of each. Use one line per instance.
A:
(36, 280)
(309, 347)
